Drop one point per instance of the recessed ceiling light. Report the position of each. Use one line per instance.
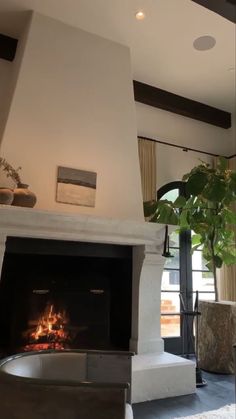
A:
(140, 15)
(203, 43)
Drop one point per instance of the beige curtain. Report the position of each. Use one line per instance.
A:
(227, 274)
(147, 159)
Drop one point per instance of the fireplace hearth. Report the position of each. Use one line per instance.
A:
(65, 295)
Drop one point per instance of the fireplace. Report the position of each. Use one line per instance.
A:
(56, 262)
(65, 295)
(51, 261)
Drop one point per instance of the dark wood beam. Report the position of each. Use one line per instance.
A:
(8, 47)
(153, 96)
(225, 8)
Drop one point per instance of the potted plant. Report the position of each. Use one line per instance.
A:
(208, 212)
(20, 195)
(7, 194)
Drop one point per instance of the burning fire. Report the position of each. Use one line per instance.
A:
(50, 332)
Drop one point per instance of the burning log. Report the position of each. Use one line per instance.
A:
(51, 331)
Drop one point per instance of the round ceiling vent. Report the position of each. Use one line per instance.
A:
(203, 43)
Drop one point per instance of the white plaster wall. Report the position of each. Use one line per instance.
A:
(233, 132)
(5, 79)
(172, 162)
(9, 72)
(73, 106)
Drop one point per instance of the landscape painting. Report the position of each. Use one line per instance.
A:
(76, 186)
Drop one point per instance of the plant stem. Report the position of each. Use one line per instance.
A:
(215, 283)
(214, 267)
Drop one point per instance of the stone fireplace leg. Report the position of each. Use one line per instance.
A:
(155, 373)
(147, 273)
(2, 250)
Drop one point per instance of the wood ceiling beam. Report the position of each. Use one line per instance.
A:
(8, 47)
(225, 8)
(153, 96)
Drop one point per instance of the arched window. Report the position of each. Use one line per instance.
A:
(183, 274)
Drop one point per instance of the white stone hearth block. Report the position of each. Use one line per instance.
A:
(158, 376)
(146, 337)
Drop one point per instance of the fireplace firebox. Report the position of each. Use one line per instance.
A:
(65, 295)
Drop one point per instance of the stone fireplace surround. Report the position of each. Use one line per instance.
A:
(155, 374)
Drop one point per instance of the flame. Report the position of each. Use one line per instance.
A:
(50, 331)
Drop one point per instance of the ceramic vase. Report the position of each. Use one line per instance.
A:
(6, 196)
(23, 197)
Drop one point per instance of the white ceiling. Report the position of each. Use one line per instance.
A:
(161, 46)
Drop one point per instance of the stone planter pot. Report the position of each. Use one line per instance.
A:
(6, 196)
(23, 197)
(216, 336)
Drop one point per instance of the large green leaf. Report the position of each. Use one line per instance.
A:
(166, 215)
(191, 202)
(209, 266)
(154, 218)
(180, 202)
(215, 190)
(218, 261)
(183, 220)
(196, 183)
(200, 228)
(149, 208)
(174, 219)
(196, 239)
(197, 217)
(229, 256)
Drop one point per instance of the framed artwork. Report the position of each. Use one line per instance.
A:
(77, 187)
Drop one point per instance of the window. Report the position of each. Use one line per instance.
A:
(183, 274)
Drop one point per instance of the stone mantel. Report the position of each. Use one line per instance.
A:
(28, 222)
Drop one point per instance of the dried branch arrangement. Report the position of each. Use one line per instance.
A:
(10, 171)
